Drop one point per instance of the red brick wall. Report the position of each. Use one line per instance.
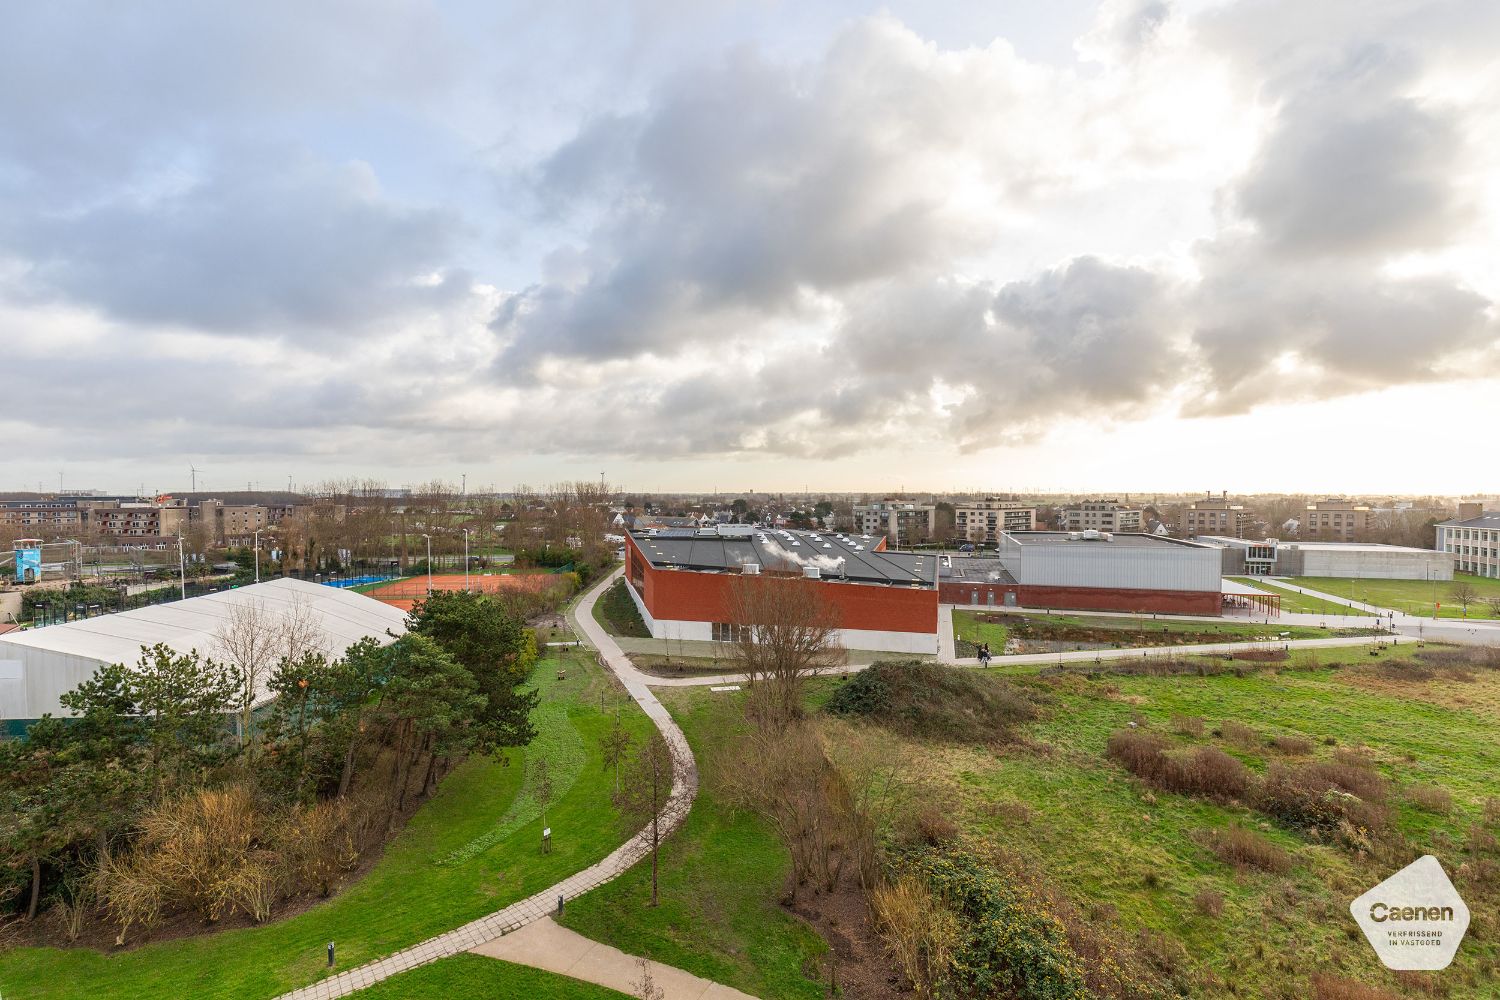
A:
(682, 595)
(1175, 602)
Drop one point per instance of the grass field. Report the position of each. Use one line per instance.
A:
(416, 890)
(1138, 860)
(1414, 597)
(721, 877)
(474, 977)
(1292, 601)
(970, 627)
(616, 611)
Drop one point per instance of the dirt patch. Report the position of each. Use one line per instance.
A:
(856, 963)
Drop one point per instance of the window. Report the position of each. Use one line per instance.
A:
(725, 632)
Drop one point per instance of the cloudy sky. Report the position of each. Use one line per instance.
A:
(1028, 244)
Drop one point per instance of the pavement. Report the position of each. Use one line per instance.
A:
(547, 945)
(1484, 632)
(537, 907)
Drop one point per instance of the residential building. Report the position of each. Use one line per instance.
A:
(1473, 540)
(983, 521)
(1335, 520)
(1101, 515)
(900, 522)
(1216, 516)
(54, 514)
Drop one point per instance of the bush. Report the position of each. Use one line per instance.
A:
(1321, 795)
(1244, 848)
(1239, 735)
(1207, 771)
(1209, 902)
(1295, 746)
(937, 702)
(1188, 725)
(918, 931)
(1009, 943)
(1430, 798)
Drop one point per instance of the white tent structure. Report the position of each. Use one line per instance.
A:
(39, 665)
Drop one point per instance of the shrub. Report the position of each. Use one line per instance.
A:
(1295, 746)
(1244, 848)
(1209, 902)
(1309, 796)
(1262, 655)
(1206, 771)
(1239, 735)
(937, 702)
(1188, 725)
(1430, 798)
(918, 931)
(934, 827)
(1326, 986)
(1009, 943)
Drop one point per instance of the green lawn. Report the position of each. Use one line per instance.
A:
(617, 613)
(1111, 845)
(1414, 597)
(968, 627)
(721, 877)
(474, 977)
(440, 872)
(1292, 601)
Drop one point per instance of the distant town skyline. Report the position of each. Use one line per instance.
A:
(1120, 246)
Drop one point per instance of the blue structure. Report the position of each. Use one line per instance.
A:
(28, 560)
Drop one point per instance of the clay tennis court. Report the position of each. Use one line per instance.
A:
(404, 593)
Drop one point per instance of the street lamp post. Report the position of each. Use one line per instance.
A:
(429, 562)
(181, 567)
(466, 560)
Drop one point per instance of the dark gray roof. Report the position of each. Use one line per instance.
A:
(1489, 519)
(1117, 539)
(848, 557)
(973, 570)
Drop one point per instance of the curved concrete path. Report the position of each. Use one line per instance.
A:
(540, 905)
(549, 946)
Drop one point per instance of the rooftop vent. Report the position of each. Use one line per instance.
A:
(750, 569)
(812, 572)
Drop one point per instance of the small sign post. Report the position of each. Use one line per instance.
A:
(330, 954)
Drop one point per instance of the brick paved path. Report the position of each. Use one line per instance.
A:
(517, 915)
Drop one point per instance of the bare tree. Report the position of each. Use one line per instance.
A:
(541, 790)
(249, 640)
(787, 631)
(1493, 603)
(646, 789)
(614, 747)
(1465, 593)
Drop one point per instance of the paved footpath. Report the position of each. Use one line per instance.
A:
(547, 945)
(518, 915)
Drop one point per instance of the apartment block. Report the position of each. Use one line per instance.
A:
(1335, 520)
(901, 523)
(984, 520)
(1101, 515)
(1216, 516)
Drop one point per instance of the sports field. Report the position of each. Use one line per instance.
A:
(404, 593)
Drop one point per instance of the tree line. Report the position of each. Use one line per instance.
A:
(230, 781)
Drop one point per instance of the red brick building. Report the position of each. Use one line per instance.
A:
(683, 581)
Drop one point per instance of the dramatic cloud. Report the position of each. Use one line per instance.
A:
(415, 233)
